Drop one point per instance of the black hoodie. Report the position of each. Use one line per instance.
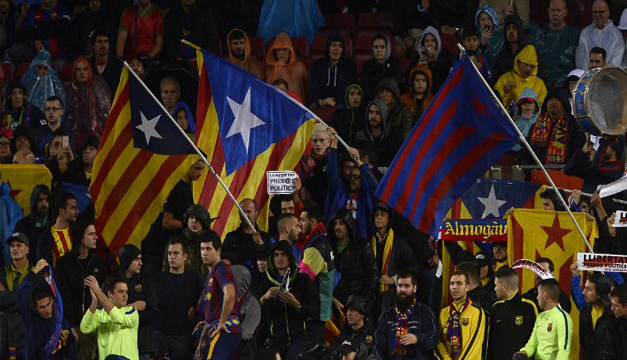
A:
(349, 120)
(327, 81)
(32, 225)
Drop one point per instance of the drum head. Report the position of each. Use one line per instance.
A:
(607, 101)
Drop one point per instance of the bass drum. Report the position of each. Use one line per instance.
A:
(600, 101)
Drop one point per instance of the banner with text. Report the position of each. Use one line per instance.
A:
(281, 182)
(602, 262)
(474, 230)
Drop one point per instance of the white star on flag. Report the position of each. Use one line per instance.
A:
(492, 204)
(244, 120)
(148, 127)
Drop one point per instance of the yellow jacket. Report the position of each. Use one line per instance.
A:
(533, 82)
(473, 322)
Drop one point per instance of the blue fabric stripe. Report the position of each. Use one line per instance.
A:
(130, 311)
(566, 323)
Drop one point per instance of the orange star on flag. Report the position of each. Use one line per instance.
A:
(556, 233)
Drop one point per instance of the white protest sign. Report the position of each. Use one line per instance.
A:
(281, 182)
(602, 262)
(620, 220)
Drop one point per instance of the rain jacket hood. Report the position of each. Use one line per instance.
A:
(527, 55)
(281, 42)
(491, 12)
(422, 70)
(232, 58)
(188, 113)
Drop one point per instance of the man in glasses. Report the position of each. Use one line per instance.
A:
(601, 33)
(43, 135)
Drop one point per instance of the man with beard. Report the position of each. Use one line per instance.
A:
(463, 324)
(102, 63)
(379, 132)
(408, 329)
(515, 38)
(238, 45)
(289, 229)
(39, 219)
(356, 341)
(79, 170)
(57, 240)
(617, 336)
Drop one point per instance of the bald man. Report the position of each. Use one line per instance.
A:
(24, 156)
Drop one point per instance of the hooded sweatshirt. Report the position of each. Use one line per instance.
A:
(441, 64)
(373, 72)
(388, 143)
(32, 225)
(250, 63)
(349, 120)
(328, 81)
(533, 82)
(499, 53)
(525, 124)
(294, 71)
(399, 115)
(191, 123)
(418, 106)
(491, 13)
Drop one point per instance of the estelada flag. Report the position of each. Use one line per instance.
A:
(461, 134)
(541, 233)
(22, 178)
(246, 127)
(135, 168)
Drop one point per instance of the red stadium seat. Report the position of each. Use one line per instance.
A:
(8, 71)
(360, 59)
(375, 19)
(258, 47)
(22, 69)
(346, 21)
(449, 42)
(66, 72)
(561, 180)
(325, 113)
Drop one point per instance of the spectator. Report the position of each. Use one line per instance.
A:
(486, 22)
(24, 157)
(392, 254)
(180, 199)
(554, 319)
(288, 226)
(409, 328)
(527, 113)
(189, 21)
(142, 26)
(12, 329)
(597, 167)
(354, 259)
(597, 58)
(354, 191)
(238, 46)
(382, 65)
(184, 117)
(39, 310)
(43, 135)
(502, 50)
(56, 241)
(331, 74)
(524, 76)
(512, 318)
(38, 220)
(556, 44)
(141, 295)
(477, 293)
(429, 52)
(532, 294)
(102, 63)
(173, 332)
(470, 41)
(616, 347)
(137, 65)
(457, 341)
(41, 81)
(17, 110)
(379, 132)
(399, 115)
(6, 154)
(72, 271)
(46, 27)
(88, 101)
(287, 306)
(170, 94)
(23, 140)
(411, 17)
(348, 121)
(316, 165)
(419, 95)
(504, 8)
(601, 33)
(86, 27)
(80, 169)
(196, 220)
(116, 323)
(244, 240)
(318, 265)
(357, 337)
(221, 331)
(60, 156)
(281, 63)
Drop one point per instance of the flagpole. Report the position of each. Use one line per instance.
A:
(303, 107)
(533, 154)
(202, 156)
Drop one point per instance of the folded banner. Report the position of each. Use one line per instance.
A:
(474, 230)
(602, 262)
(533, 266)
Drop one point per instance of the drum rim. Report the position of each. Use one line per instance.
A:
(589, 114)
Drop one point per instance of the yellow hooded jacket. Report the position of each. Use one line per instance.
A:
(533, 82)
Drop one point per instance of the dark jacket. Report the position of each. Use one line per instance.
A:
(373, 72)
(318, 247)
(597, 171)
(386, 145)
(504, 61)
(32, 225)
(349, 121)
(481, 298)
(71, 275)
(111, 73)
(593, 341)
(360, 341)
(399, 115)
(316, 182)
(511, 324)
(11, 327)
(616, 345)
(27, 115)
(199, 26)
(440, 67)
(356, 264)
(421, 322)
(242, 246)
(327, 81)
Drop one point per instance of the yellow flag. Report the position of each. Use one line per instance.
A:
(22, 179)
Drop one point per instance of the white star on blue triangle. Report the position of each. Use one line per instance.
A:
(148, 127)
(492, 204)
(244, 120)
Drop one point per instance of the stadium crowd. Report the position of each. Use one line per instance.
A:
(332, 254)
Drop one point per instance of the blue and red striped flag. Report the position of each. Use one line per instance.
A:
(462, 133)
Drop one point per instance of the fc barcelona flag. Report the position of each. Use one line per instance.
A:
(247, 127)
(461, 134)
(552, 234)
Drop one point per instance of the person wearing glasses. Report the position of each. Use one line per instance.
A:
(601, 33)
(43, 135)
